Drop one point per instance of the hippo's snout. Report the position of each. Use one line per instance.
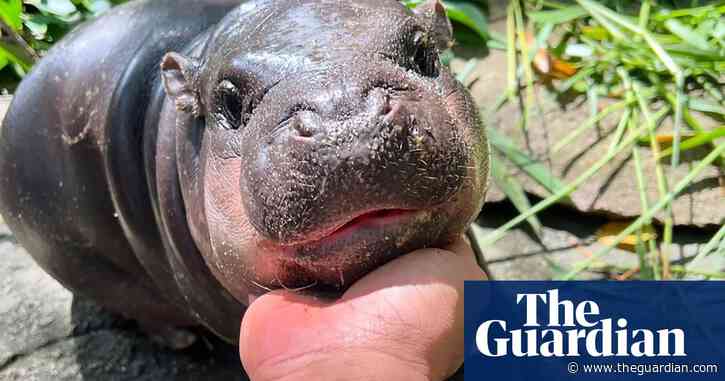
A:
(343, 151)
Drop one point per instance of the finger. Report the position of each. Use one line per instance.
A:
(405, 318)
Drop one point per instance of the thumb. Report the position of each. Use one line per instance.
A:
(402, 321)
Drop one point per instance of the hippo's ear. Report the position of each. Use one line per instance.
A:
(433, 15)
(178, 74)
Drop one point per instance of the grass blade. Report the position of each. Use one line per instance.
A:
(512, 84)
(688, 35)
(708, 248)
(684, 183)
(525, 59)
(467, 71)
(591, 171)
(698, 140)
(558, 16)
(705, 106)
(535, 169)
(590, 123)
(513, 190)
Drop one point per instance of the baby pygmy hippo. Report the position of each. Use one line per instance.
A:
(173, 158)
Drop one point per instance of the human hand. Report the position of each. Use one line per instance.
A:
(403, 321)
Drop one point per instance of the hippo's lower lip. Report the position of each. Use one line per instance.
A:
(376, 217)
(380, 216)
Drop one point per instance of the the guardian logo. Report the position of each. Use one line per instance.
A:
(572, 330)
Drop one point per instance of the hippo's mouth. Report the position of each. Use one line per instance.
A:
(332, 257)
(371, 218)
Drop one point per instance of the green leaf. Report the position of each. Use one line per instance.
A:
(685, 12)
(719, 31)
(4, 61)
(698, 140)
(16, 55)
(688, 35)
(55, 7)
(513, 190)
(558, 16)
(705, 106)
(469, 15)
(496, 44)
(706, 28)
(694, 53)
(10, 12)
(38, 26)
(535, 169)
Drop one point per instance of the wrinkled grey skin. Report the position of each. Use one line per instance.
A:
(284, 144)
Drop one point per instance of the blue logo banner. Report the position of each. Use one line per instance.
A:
(594, 330)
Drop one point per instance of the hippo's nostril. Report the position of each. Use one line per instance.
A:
(386, 106)
(303, 118)
(302, 128)
(397, 115)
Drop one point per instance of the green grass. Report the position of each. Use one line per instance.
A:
(655, 62)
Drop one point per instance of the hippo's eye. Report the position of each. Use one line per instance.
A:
(424, 58)
(230, 105)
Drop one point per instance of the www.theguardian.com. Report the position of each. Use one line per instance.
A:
(642, 369)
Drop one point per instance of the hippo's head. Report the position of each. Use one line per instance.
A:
(328, 140)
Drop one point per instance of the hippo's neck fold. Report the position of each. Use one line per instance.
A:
(167, 134)
(141, 169)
